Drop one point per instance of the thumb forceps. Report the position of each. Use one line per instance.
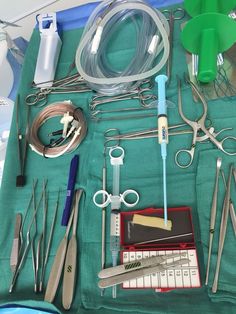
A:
(197, 126)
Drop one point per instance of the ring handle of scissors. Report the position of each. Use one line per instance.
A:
(105, 196)
(176, 14)
(127, 193)
(33, 99)
(190, 154)
(222, 143)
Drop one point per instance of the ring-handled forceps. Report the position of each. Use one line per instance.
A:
(143, 93)
(172, 16)
(41, 96)
(199, 126)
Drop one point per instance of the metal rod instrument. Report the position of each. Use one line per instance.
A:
(165, 238)
(49, 243)
(103, 235)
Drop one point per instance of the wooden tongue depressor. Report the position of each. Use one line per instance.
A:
(155, 222)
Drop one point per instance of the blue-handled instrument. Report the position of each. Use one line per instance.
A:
(70, 190)
(163, 131)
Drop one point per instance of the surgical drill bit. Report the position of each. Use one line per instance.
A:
(213, 216)
(223, 227)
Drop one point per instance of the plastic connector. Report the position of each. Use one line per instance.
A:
(65, 120)
(153, 45)
(96, 40)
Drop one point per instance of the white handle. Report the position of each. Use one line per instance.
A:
(125, 194)
(105, 195)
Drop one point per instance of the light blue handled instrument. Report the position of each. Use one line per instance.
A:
(163, 131)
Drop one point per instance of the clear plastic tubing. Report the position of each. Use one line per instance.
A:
(152, 46)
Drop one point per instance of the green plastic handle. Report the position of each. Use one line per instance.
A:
(208, 35)
(209, 46)
(196, 7)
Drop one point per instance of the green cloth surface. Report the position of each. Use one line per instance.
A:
(205, 187)
(142, 171)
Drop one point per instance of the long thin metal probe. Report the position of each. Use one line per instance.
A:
(213, 216)
(166, 238)
(49, 243)
(34, 262)
(103, 248)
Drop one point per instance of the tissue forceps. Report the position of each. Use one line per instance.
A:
(172, 16)
(199, 125)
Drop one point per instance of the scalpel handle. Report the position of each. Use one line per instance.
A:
(115, 280)
(135, 265)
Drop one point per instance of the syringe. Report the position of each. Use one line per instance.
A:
(163, 131)
(116, 162)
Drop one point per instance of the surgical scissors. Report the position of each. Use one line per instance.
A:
(172, 16)
(197, 126)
